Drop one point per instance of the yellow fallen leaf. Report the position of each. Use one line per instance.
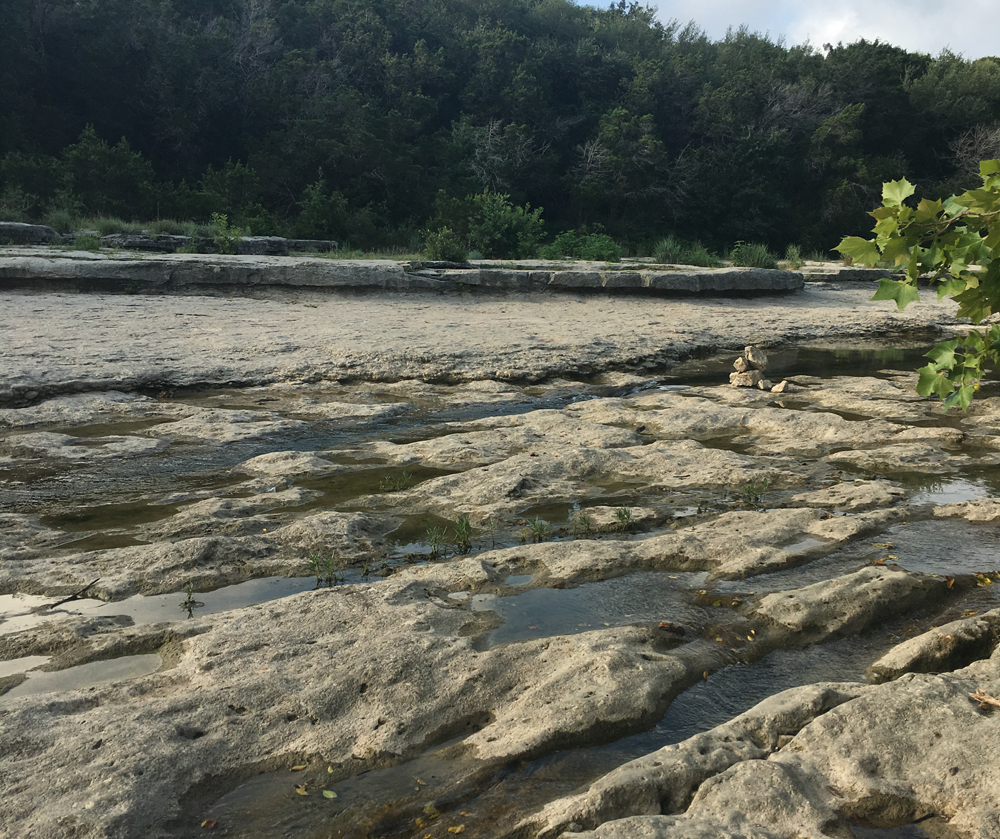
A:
(329, 770)
(298, 768)
(329, 793)
(431, 810)
(301, 791)
(719, 639)
(458, 828)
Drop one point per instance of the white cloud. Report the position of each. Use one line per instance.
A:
(917, 25)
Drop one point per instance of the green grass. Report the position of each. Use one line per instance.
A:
(674, 251)
(753, 255)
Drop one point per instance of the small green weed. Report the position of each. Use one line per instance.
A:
(582, 526)
(437, 538)
(325, 569)
(399, 483)
(623, 519)
(753, 492)
(537, 531)
(462, 533)
(490, 527)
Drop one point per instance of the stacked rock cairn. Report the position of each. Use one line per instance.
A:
(750, 369)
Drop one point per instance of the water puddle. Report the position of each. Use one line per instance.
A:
(382, 480)
(545, 612)
(110, 429)
(84, 675)
(947, 548)
(931, 827)
(109, 516)
(16, 610)
(952, 492)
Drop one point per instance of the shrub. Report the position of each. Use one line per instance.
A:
(499, 230)
(594, 247)
(445, 245)
(753, 255)
(226, 237)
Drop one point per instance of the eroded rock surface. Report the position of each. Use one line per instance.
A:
(761, 522)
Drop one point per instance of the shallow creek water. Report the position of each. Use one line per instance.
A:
(109, 503)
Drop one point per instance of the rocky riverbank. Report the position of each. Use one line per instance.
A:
(259, 504)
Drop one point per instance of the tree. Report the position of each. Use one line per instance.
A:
(956, 242)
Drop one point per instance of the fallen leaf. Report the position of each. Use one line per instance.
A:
(705, 675)
(458, 828)
(329, 793)
(431, 810)
(466, 815)
(950, 581)
(208, 824)
(329, 770)
(718, 638)
(422, 783)
(298, 768)
(301, 791)
(716, 602)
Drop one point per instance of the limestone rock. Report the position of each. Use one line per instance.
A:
(781, 387)
(947, 647)
(751, 378)
(755, 357)
(741, 365)
(27, 234)
(849, 602)
(765, 384)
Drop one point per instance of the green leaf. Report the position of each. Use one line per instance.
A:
(329, 793)
(902, 292)
(943, 354)
(932, 381)
(962, 397)
(860, 250)
(895, 192)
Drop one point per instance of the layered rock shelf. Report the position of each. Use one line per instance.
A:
(302, 562)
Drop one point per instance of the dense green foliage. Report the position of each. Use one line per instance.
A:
(956, 243)
(324, 118)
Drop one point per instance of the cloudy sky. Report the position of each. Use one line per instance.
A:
(969, 28)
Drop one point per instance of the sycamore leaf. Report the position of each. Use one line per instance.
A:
(860, 250)
(931, 381)
(895, 192)
(950, 287)
(943, 354)
(962, 397)
(902, 292)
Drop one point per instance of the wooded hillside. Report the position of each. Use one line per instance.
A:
(346, 119)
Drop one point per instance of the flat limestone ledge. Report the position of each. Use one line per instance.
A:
(158, 273)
